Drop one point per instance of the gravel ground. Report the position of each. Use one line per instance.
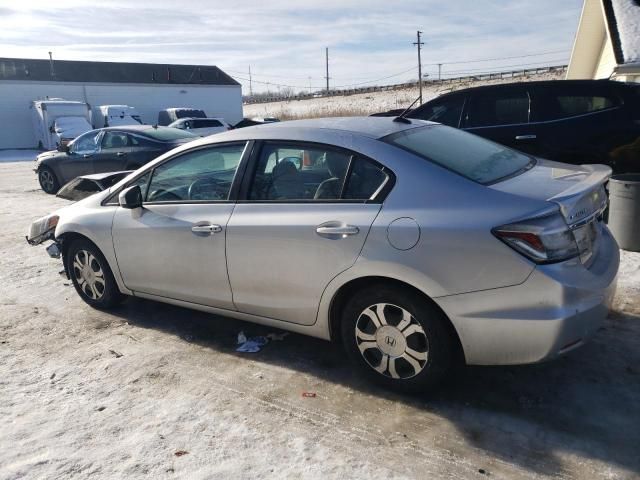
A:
(156, 391)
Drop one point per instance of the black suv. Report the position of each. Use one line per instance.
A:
(572, 121)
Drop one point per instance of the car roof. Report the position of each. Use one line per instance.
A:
(133, 128)
(540, 83)
(371, 127)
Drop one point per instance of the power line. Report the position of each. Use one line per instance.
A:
(265, 75)
(499, 58)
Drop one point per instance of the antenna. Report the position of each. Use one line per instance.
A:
(400, 118)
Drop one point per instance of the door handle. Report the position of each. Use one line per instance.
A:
(86, 155)
(526, 137)
(208, 229)
(339, 231)
(121, 154)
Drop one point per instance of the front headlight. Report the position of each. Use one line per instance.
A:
(42, 229)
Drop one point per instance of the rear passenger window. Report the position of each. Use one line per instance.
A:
(497, 109)
(569, 105)
(301, 173)
(446, 111)
(206, 123)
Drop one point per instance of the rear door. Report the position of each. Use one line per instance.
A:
(581, 123)
(306, 213)
(143, 150)
(501, 114)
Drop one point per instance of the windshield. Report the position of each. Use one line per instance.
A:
(167, 133)
(471, 156)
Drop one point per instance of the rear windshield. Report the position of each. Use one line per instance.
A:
(464, 153)
(168, 134)
(189, 113)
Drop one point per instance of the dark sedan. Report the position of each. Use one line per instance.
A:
(106, 150)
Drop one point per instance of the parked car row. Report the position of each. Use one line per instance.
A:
(412, 243)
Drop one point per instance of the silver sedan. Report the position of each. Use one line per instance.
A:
(412, 243)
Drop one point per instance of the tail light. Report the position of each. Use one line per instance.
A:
(545, 239)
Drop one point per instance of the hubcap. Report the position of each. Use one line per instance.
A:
(88, 274)
(46, 178)
(392, 341)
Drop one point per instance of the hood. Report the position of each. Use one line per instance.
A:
(577, 189)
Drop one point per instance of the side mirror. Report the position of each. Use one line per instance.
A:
(63, 148)
(131, 197)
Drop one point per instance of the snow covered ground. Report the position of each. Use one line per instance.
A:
(156, 391)
(367, 103)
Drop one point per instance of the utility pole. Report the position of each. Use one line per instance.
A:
(309, 84)
(439, 70)
(327, 61)
(51, 70)
(250, 87)
(419, 44)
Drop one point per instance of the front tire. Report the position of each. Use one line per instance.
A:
(48, 180)
(397, 338)
(91, 275)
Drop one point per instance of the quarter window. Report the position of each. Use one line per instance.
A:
(307, 173)
(492, 109)
(200, 175)
(569, 104)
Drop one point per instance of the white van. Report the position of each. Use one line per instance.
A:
(57, 121)
(116, 116)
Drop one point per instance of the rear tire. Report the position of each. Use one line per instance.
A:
(91, 275)
(397, 338)
(48, 180)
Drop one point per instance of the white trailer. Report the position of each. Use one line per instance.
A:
(116, 115)
(58, 121)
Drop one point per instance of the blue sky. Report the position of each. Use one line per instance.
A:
(284, 41)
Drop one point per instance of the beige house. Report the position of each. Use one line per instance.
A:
(607, 43)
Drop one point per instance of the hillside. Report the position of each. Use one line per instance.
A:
(368, 103)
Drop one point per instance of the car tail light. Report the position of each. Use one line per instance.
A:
(545, 239)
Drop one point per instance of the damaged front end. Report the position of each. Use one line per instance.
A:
(42, 230)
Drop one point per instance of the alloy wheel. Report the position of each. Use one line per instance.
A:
(89, 275)
(392, 341)
(46, 180)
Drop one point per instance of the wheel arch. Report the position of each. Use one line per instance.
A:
(350, 288)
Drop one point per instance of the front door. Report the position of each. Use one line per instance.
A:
(82, 153)
(502, 115)
(174, 246)
(304, 220)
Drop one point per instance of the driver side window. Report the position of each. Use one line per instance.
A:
(85, 144)
(200, 175)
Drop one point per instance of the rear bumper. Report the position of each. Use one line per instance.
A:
(558, 308)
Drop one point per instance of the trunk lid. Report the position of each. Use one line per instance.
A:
(577, 189)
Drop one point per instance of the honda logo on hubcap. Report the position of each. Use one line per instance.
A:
(390, 341)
